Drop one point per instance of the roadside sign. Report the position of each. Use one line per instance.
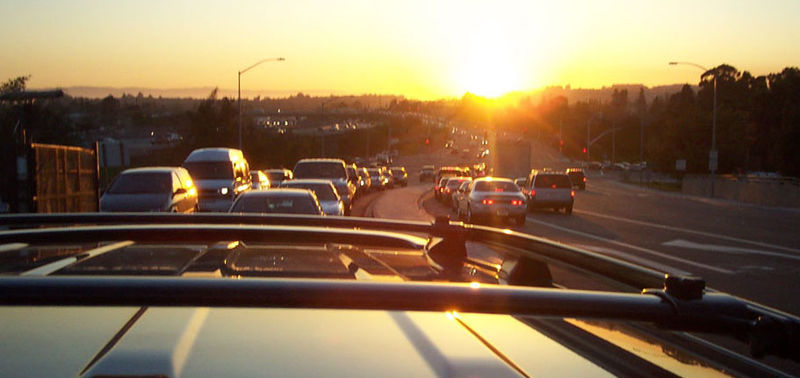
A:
(680, 165)
(712, 160)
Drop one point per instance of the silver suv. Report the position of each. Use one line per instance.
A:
(547, 189)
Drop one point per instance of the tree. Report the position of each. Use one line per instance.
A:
(16, 84)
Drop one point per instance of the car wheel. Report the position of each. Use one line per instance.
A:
(568, 210)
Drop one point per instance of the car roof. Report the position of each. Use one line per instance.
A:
(152, 170)
(281, 192)
(494, 179)
(215, 154)
(307, 181)
(321, 160)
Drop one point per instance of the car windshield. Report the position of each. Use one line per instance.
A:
(552, 181)
(495, 186)
(319, 170)
(209, 170)
(275, 205)
(275, 176)
(452, 184)
(142, 183)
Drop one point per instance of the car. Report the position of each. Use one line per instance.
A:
(450, 186)
(458, 196)
(352, 177)
(365, 180)
(259, 180)
(577, 177)
(549, 189)
(326, 194)
(493, 197)
(438, 189)
(245, 294)
(220, 175)
(328, 169)
(379, 179)
(278, 175)
(427, 173)
(278, 201)
(399, 175)
(161, 189)
(449, 171)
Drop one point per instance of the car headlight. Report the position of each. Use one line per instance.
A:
(223, 190)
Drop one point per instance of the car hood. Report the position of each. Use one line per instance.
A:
(133, 202)
(52, 341)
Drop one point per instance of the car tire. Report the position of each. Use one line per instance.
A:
(568, 210)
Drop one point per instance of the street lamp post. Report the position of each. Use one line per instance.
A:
(239, 96)
(712, 155)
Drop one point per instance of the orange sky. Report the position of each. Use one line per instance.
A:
(420, 49)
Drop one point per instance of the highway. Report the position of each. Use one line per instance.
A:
(746, 250)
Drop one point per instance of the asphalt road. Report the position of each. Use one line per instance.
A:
(746, 250)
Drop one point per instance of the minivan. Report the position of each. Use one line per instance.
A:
(220, 174)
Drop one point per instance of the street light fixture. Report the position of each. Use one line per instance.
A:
(239, 97)
(712, 155)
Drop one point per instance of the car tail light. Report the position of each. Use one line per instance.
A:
(554, 186)
(487, 202)
(499, 190)
(447, 190)
(572, 193)
(584, 179)
(516, 202)
(533, 193)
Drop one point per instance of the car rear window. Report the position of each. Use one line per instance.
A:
(320, 170)
(142, 183)
(496, 186)
(324, 192)
(210, 170)
(275, 204)
(455, 183)
(552, 181)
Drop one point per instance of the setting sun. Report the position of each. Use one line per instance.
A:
(489, 64)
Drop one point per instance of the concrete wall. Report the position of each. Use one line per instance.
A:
(784, 193)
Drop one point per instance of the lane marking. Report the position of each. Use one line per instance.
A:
(631, 246)
(679, 229)
(633, 258)
(725, 249)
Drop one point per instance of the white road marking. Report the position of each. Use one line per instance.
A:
(633, 258)
(686, 230)
(631, 246)
(725, 249)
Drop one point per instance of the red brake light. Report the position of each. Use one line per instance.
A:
(584, 179)
(499, 190)
(516, 202)
(533, 192)
(572, 193)
(447, 190)
(487, 202)
(554, 186)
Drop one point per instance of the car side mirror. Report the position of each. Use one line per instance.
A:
(179, 191)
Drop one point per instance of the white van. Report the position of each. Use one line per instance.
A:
(219, 174)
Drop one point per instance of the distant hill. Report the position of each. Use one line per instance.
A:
(198, 92)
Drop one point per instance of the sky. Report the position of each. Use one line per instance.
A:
(420, 49)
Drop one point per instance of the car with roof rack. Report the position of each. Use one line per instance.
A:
(244, 294)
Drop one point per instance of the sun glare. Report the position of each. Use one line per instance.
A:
(489, 66)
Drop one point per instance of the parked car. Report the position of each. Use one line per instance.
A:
(577, 177)
(492, 197)
(328, 169)
(167, 189)
(278, 175)
(399, 175)
(220, 174)
(549, 189)
(427, 173)
(326, 194)
(259, 180)
(278, 201)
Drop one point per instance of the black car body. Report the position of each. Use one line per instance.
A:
(248, 295)
(577, 177)
(151, 189)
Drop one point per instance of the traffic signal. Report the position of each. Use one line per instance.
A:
(427, 141)
(561, 143)
(584, 150)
